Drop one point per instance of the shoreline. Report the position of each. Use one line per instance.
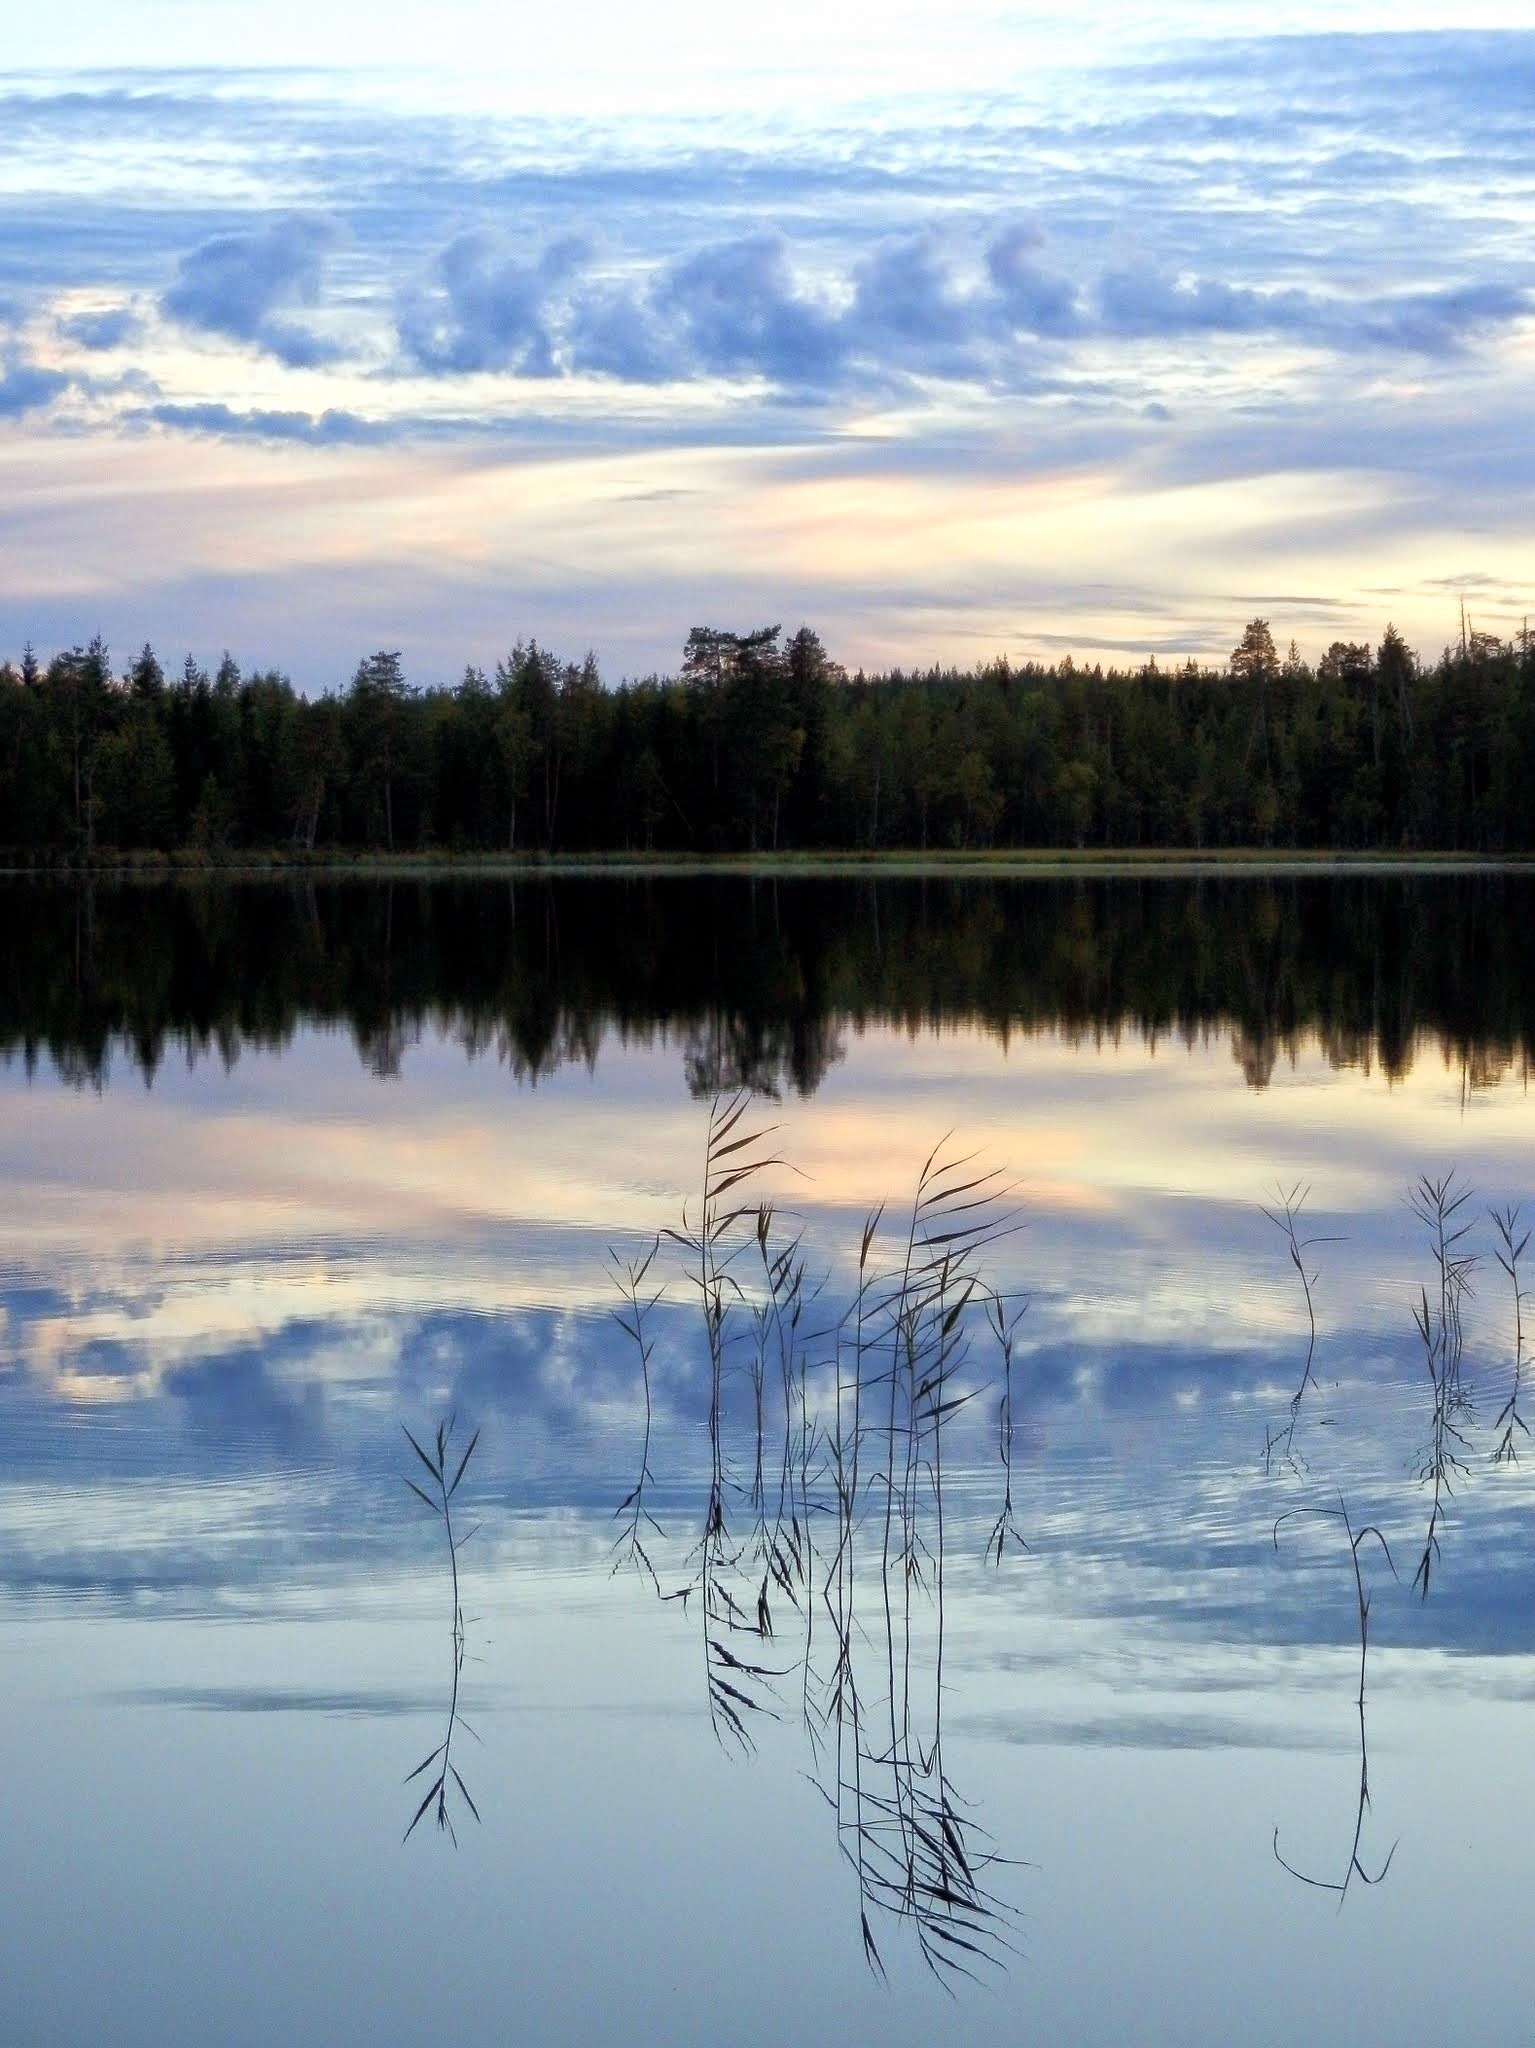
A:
(1044, 863)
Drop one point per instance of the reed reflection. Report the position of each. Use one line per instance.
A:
(1438, 1205)
(439, 1502)
(1513, 1243)
(818, 1571)
(1286, 1217)
(1441, 1205)
(1355, 1866)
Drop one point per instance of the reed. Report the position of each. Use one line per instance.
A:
(1286, 1217)
(1004, 1329)
(1355, 1867)
(439, 1502)
(842, 1466)
(739, 1686)
(920, 1327)
(635, 1520)
(916, 1855)
(1439, 1320)
(1438, 1206)
(780, 1353)
(1513, 1242)
(845, 1417)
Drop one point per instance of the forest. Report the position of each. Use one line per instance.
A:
(761, 742)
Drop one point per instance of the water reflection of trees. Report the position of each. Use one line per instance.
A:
(818, 1566)
(758, 982)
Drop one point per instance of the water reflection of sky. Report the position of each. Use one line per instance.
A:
(220, 1297)
(249, 1271)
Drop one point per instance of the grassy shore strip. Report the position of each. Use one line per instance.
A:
(840, 866)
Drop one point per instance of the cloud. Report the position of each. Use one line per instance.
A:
(1142, 302)
(913, 305)
(728, 309)
(616, 333)
(315, 430)
(740, 308)
(1358, 203)
(1033, 301)
(243, 285)
(485, 311)
(899, 309)
(27, 387)
(106, 329)
(904, 294)
(793, 260)
(1442, 322)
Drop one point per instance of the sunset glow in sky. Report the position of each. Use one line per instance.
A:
(1100, 330)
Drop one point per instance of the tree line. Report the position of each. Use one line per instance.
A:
(762, 741)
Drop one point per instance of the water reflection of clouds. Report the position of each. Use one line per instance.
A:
(167, 1221)
(249, 1476)
(1177, 1119)
(244, 1280)
(304, 1146)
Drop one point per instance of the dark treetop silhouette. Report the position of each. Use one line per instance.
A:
(762, 742)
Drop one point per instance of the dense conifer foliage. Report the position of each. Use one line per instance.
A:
(762, 742)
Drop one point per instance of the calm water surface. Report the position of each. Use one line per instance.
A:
(283, 1169)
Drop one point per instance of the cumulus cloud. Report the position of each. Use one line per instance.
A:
(732, 308)
(27, 387)
(923, 303)
(485, 310)
(740, 308)
(615, 332)
(1033, 300)
(930, 302)
(906, 295)
(245, 285)
(106, 329)
(901, 309)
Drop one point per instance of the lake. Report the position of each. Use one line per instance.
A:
(961, 1379)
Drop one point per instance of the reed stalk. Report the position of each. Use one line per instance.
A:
(896, 1368)
(1513, 1242)
(1438, 1318)
(633, 1516)
(1355, 1867)
(439, 1503)
(1286, 1218)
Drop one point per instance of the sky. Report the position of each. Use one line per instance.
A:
(1098, 330)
